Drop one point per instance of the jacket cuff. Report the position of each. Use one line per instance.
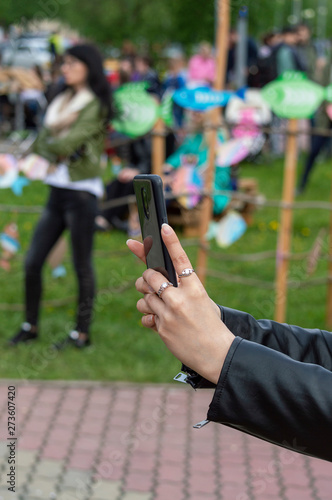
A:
(214, 410)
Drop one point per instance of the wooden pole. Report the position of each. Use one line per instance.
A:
(285, 231)
(329, 285)
(219, 84)
(158, 147)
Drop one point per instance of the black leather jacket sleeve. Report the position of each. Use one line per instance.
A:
(276, 384)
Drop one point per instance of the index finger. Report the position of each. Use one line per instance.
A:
(178, 255)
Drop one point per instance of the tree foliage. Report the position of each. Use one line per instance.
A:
(155, 21)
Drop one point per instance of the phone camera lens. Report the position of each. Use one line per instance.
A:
(145, 203)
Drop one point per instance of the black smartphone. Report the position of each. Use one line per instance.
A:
(152, 214)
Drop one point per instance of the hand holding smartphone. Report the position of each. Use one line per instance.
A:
(152, 214)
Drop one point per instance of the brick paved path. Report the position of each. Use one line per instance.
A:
(136, 442)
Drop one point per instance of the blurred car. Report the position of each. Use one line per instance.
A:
(27, 51)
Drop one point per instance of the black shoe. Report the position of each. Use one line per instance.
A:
(101, 224)
(24, 335)
(121, 225)
(72, 340)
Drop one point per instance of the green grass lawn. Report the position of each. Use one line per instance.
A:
(122, 348)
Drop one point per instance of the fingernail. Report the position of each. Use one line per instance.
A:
(127, 241)
(149, 319)
(166, 229)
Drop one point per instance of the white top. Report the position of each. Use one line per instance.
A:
(60, 179)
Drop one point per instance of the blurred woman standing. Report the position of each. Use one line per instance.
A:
(72, 140)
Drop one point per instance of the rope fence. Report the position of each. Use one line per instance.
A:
(259, 201)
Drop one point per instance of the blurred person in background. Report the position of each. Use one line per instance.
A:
(176, 78)
(266, 60)
(34, 101)
(194, 150)
(306, 50)
(56, 46)
(202, 67)
(145, 73)
(288, 58)
(72, 140)
(126, 70)
(128, 50)
(135, 157)
(251, 63)
(285, 58)
(322, 120)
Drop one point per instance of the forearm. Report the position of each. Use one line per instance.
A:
(269, 395)
(308, 346)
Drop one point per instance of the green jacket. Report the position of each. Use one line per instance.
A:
(81, 148)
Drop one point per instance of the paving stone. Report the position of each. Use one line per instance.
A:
(75, 479)
(7, 495)
(198, 496)
(298, 493)
(232, 490)
(41, 488)
(324, 487)
(140, 481)
(53, 451)
(201, 465)
(108, 472)
(60, 434)
(87, 443)
(25, 458)
(29, 497)
(105, 490)
(81, 461)
(202, 484)
(33, 429)
(167, 491)
(270, 497)
(134, 495)
(142, 461)
(170, 472)
(22, 473)
(31, 441)
(49, 468)
(43, 411)
(70, 495)
(321, 468)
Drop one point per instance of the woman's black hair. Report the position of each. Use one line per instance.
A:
(91, 57)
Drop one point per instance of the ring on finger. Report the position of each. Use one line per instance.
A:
(186, 272)
(163, 287)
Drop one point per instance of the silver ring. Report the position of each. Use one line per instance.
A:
(186, 272)
(163, 287)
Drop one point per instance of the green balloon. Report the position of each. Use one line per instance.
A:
(137, 110)
(328, 93)
(293, 95)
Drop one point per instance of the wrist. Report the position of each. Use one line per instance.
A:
(212, 357)
(217, 358)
